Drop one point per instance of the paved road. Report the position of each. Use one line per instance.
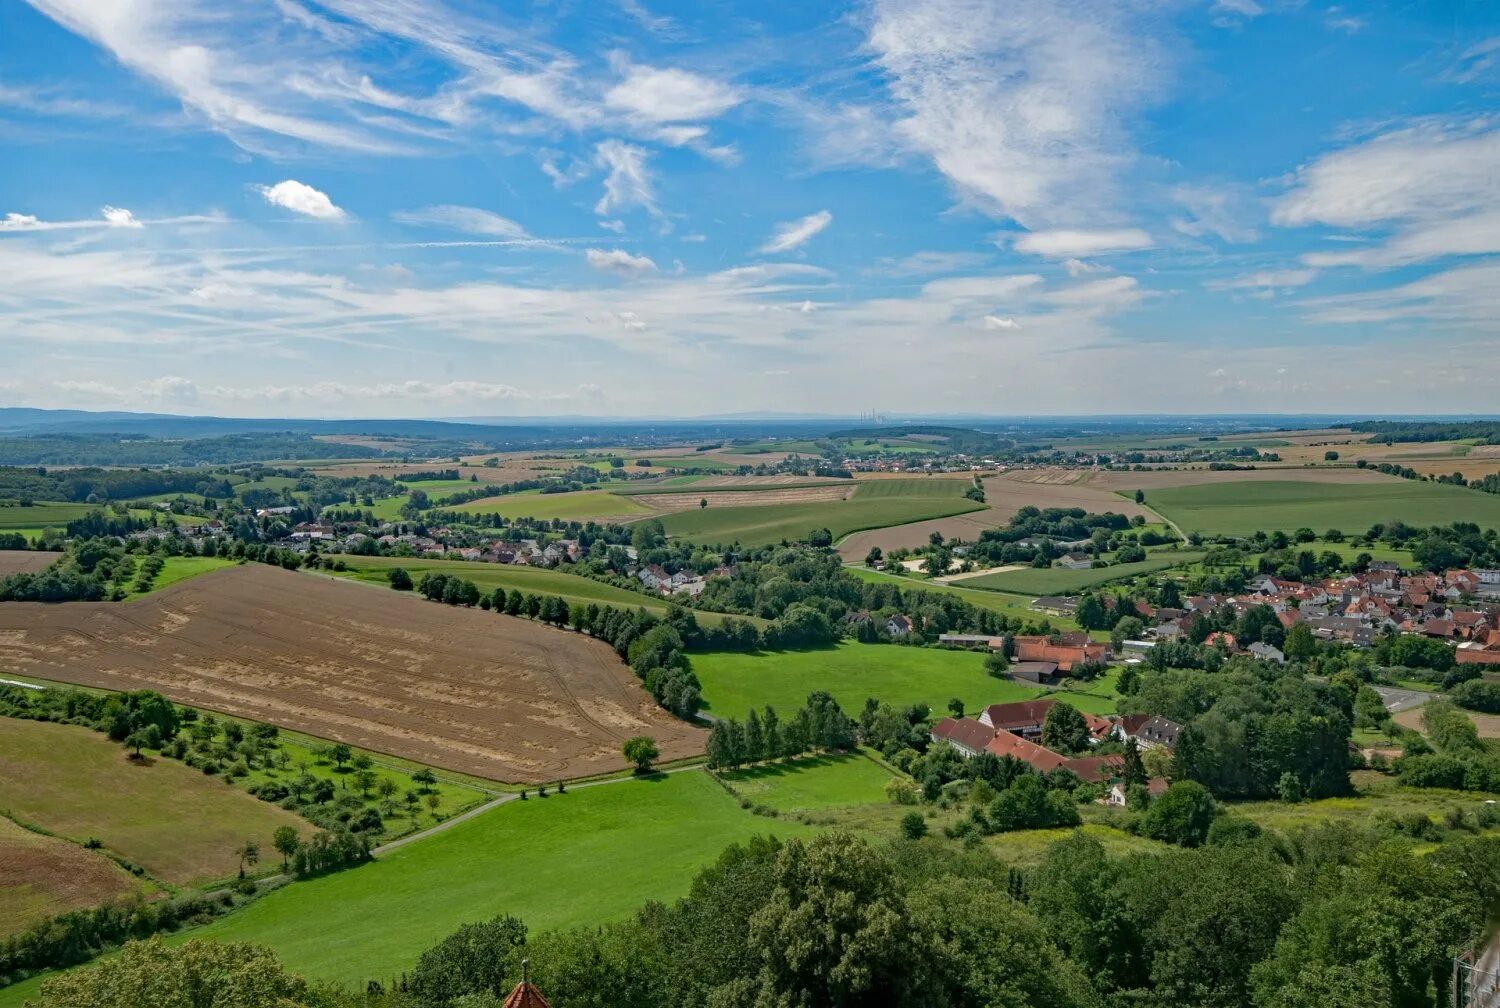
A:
(1398, 699)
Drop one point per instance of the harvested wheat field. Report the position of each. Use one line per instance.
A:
(42, 876)
(25, 561)
(495, 696)
(912, 535)
(1065, 488)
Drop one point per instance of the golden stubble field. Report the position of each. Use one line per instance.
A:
(495, 696)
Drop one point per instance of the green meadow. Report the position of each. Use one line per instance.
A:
(593, 854)
(851, 672)
(814, 784)
(179, 568)
(1240, 508)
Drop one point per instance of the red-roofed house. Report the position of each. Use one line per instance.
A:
(1038, 758)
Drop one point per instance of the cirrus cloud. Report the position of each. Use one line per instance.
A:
(795, 233)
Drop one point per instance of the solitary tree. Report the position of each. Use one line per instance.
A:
(249, 855)
(703, 502)
(642, 751)
(425, 778)
(956, 707)
(340, 754)
(399, 579)
(286, 842)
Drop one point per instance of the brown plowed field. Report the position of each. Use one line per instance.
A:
(42, 876)
(914, 534)
(19, 561)
(495, 696)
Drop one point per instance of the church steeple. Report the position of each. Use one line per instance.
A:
(525, 994)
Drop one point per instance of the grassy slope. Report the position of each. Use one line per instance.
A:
(42, 876)
(771, 523)
(179, 824)
(1242, 508)
(812, 784)
(180, 568)
(1061, 581)
(577, 590)
(591, 855)
(851, 672)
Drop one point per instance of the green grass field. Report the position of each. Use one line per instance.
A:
(851, 672)
(41, 515)
(812, 784)
(438, 488)
(1243, 508)
(918, 487)
(594, 854)
(180, 568)
(1061, 581)
(179, 824)
(580, 505)
(771, 523)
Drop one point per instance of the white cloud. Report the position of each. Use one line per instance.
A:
(303, 199)
(794, 233)
(1218, 210)
(670, 95)
(619, 261)
(1244, 8)
(119, 217)
(1267, 279)
(1023, 105)
(996, 322)
(924, 263)
(109, 217)
(1465, 296)
(1433, 183)
(1072, 242)
(628, 183)
(1077, 267)
(461, 218)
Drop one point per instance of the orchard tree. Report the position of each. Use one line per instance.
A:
(286, 842)
(641, 751)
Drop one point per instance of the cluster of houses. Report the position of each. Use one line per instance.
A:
(1013, 729)
(1459, 607)
(655, 578)
(1038, 659)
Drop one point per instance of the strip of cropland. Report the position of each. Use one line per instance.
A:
(574, 588)
(179, 824)
(984, 598)
(1242, 508)
(588, 856)
(495, 696)
(25, 561)
(868, 508)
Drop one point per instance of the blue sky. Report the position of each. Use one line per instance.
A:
(635, 207)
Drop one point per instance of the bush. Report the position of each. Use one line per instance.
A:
(1479, 695)
(1183, 815)
(913, 826)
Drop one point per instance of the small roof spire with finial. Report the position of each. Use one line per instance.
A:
(525, 994)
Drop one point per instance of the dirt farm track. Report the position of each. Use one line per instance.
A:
(495, 696)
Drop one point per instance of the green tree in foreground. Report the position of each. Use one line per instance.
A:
(641, 751)
(198, 974)
(399, 579)
(1181, 815)
(286, 842)
(1064, 729)
(476, 960)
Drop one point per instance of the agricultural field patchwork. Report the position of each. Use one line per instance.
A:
(579, 505)
(177, 823)
(767, 524)
(495, 696)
